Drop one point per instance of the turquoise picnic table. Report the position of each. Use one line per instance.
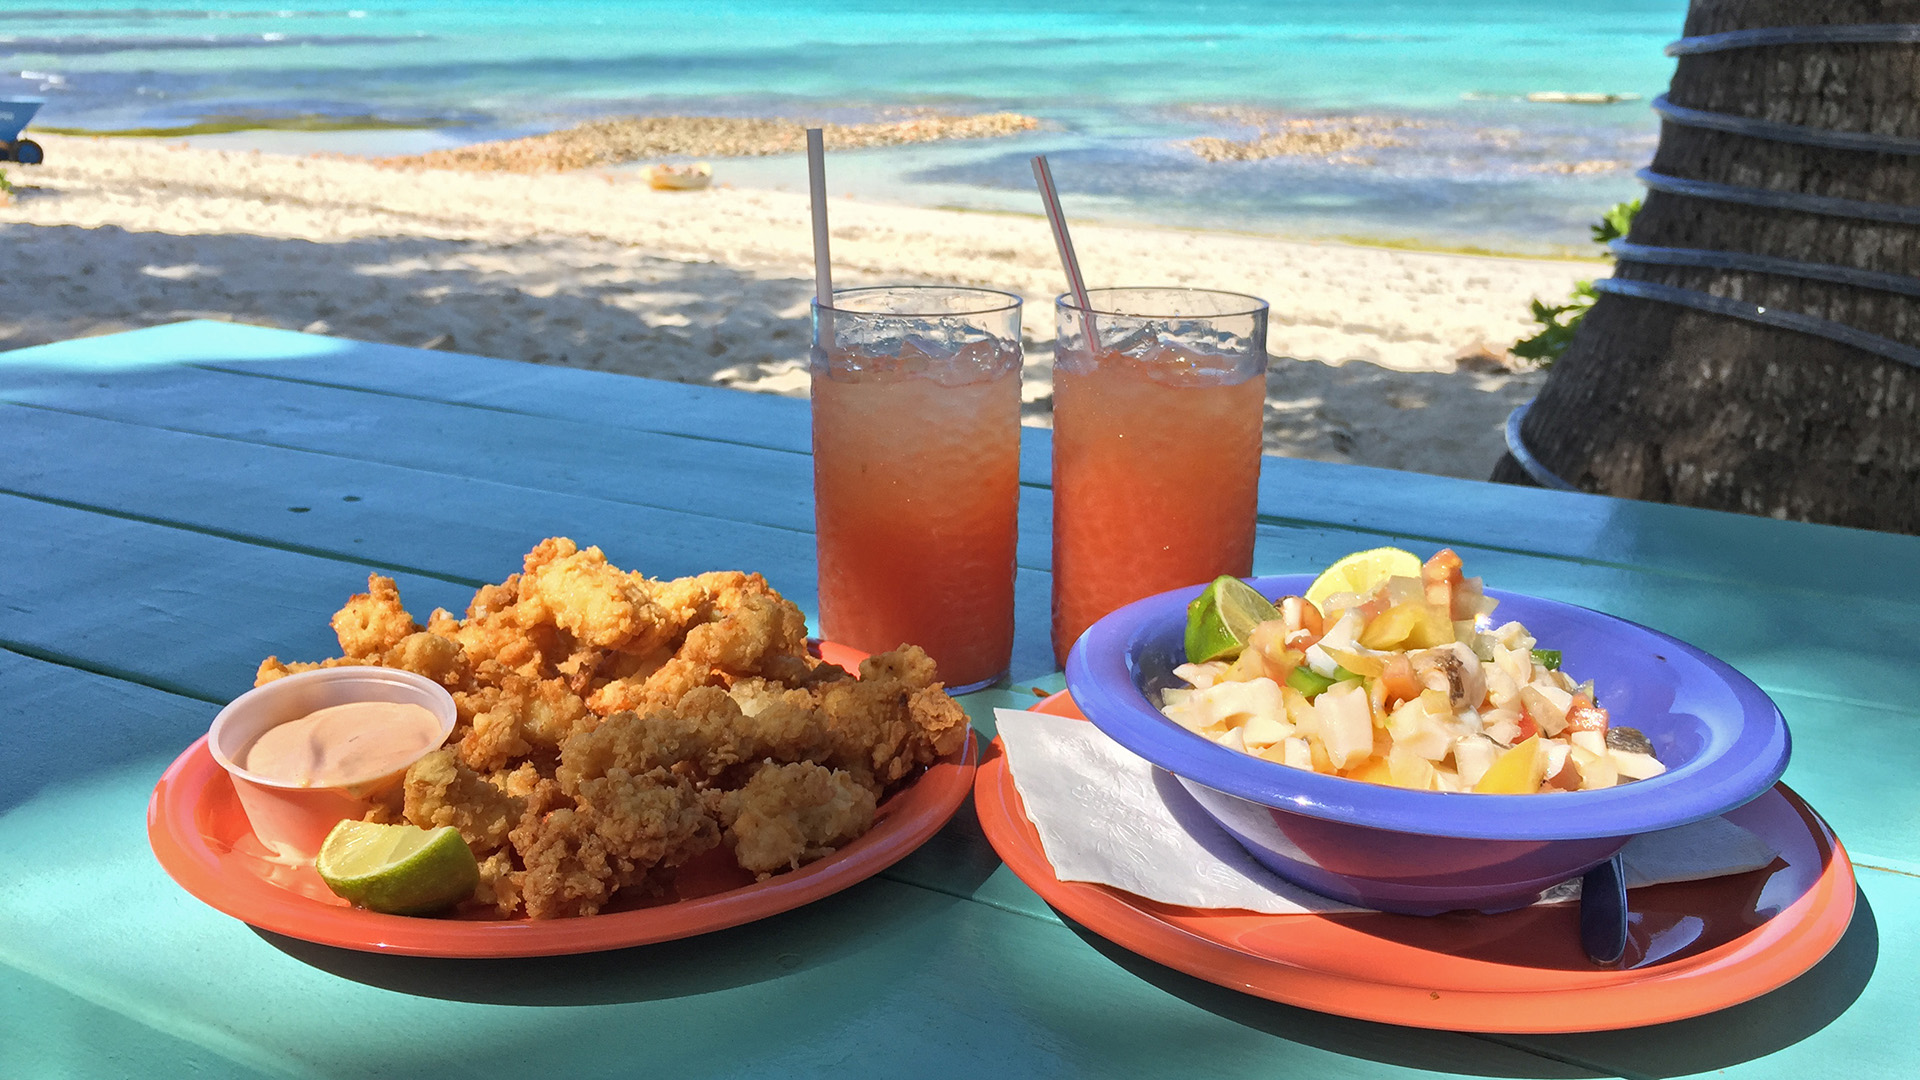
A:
(177, 503)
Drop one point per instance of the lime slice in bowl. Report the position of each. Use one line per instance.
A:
(397, 869)
(1220, 620)
(1362, 572)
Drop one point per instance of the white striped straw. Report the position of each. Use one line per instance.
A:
(822, 263)
(1058, 218)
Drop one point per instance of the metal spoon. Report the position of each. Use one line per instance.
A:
(1603, 912)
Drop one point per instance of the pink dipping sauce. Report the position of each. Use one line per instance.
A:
(342, 745)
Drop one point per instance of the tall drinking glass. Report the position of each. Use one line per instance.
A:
(1156, 446)
(916, 473)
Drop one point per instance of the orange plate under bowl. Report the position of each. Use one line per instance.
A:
(1695, 947)
(201, 836)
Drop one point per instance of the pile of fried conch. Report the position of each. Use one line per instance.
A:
(613, 727)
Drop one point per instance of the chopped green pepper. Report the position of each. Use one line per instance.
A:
(1547, 658)
(1308, 682)
(1312, 684)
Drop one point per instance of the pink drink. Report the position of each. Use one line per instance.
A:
(916, 494)
(1156, 459)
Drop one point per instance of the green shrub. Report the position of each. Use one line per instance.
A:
(1614, 223)
(1559, 321)
(5, 187)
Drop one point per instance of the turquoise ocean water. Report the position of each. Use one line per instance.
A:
(1120, 85)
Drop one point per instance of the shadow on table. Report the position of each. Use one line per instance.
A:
(1754, 1029)
(825, 931)
(1718, 1040)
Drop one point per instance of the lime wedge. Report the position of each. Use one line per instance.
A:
(397, 869)
(1220, 619)
(1362, 572)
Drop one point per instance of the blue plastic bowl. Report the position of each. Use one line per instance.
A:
(1722, 739)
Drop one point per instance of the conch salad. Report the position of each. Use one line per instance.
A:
(1408, 683)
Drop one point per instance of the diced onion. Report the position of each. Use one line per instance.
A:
(1636, 766)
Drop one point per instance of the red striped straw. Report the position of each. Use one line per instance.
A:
(822, 264)
(1058, 219)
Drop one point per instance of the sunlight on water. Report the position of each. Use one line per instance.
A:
(1461, 156)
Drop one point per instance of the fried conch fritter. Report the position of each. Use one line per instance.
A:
(613, 727)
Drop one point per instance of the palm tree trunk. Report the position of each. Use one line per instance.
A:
(1657, 400)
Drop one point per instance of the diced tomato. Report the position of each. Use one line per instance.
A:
(1568, 778)
(1528, 729)
(1398, 680)
(1584, 715)
(1373, 607)
(1440, 574)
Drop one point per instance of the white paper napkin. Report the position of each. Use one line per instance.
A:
(1109, 817)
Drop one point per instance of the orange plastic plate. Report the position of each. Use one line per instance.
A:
(1695, 947)
(201, 836)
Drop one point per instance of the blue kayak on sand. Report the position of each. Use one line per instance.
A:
(14, 115)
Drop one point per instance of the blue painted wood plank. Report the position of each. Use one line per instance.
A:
(186, 612)
(1727, 548)
(595, 397)
(1735, 550)
(714, 478)
(244, 490)
(61, 723)
(194, 613)
(424, 521)
(51, 1033)
(741, 483)
(1857, 768)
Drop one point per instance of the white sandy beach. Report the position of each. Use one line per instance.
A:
(1381, 357)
